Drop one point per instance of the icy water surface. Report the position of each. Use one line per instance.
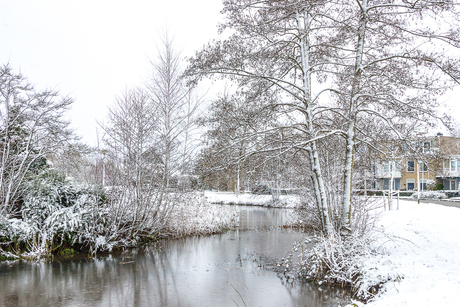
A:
(205, 271)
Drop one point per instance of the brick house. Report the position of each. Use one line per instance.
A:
(431, 162)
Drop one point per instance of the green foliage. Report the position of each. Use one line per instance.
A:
(439, 187)
(55, 211)
(50, 192)
(67, 252)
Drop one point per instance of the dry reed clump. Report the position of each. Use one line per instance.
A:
(196, 217)
(339, 259)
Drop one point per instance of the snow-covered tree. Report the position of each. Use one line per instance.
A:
(131, 138)
(337, 70)
(176, 111)
(272, 53)
(32, 127)
(232, 152)
(396, 63)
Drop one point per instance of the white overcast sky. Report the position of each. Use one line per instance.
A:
(93, 50)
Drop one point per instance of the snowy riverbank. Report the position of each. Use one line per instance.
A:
(82, 226)
(230, 198)
(419, 247)
(423, 248)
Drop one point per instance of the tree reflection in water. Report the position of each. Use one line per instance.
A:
(196, 271)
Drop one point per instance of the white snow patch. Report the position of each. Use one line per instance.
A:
(432, 195)
(200, 219)
(285, 201)
(425, 254)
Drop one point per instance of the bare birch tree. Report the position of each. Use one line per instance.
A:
(399, 70)
(280, 47)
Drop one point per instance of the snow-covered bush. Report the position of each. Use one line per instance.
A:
(338, 259)
(197, 217)
(50, 192)
(82, 224)
(178, 214)
(58, 214)
(431, 185)
(331, 260)
(433, 195)
(16, 230)
(54, 212)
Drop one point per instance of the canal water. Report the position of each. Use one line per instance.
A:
(237, 268)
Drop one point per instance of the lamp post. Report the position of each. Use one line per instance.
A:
(418, 182)
(104, 152)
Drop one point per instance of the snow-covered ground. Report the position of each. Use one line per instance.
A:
(424, 252)
(421, 251)
(285, 201)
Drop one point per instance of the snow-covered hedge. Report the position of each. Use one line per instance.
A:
(432, 195)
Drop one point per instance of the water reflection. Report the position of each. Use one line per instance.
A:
(186, 272)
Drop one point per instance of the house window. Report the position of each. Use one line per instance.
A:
(395, 186)
(446, 165)
(423, 183)
(426, 146)
(388, 166)
(410, 184)
(423, 167)
(450, 184)
(453, 165)
(410, 166)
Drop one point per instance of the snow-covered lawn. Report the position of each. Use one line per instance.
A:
(425, 254)
(285, 201)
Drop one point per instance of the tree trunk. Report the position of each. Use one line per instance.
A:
(320, 191)
(353, 109)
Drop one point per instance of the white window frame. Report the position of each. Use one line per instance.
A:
(451, 165)
(413, 166)
(423, 182)
(386, 167)
(426, 146)
(410, 181)
(422, 167)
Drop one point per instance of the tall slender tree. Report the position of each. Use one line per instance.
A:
(399, 68)
(176, 108)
